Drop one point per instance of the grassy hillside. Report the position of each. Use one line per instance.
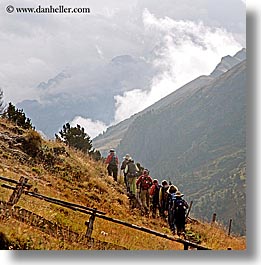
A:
(69, 175)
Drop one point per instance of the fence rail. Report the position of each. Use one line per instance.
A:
(22, 188)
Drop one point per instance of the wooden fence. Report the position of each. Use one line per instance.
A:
(22, 187)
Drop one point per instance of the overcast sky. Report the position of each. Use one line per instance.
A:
(190, 36)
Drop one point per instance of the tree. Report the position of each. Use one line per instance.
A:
(75, 137)
(17, 116)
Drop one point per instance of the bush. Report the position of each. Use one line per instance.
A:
(32, 143)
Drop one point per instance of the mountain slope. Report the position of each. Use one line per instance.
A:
(112, 137)
(63, 173)
(199, 144)
(72, 176)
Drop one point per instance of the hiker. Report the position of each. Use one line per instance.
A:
(131, 171)
(143, 184)
(180, 207)
(154, 194)
(171, 198)
(123, 166)
(163, 199)
(113, 162)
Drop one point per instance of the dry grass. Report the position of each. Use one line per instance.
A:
(76, 178)
(216, 237)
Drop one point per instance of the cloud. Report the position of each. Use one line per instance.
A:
(129, 103)
(36, 48)
(61, 41)
(58, 41)
(185, 51)
(92, 128)
(188, 50)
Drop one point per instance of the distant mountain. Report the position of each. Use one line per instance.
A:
(113, 135)
(195, 138)
(53, 81)
(96, 88)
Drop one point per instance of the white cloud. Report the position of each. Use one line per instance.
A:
(92, 128)
(188, 50)
(131, 102)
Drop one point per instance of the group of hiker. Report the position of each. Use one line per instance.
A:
(162, 199)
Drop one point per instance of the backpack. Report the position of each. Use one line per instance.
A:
(179, 206)
(164, 194)
(123, 165)
(113, 161)
(172, 198)
(145, 183)
(132, 170)
(155, 191)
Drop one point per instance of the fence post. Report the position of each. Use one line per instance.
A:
(15, 196)
(229, 227)
(90, 224)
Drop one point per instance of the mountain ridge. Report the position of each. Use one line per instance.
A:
(113, 135)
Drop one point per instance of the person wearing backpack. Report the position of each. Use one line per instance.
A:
(131, 171)
(123, 166)
(113, 162)
(171, 198)
(154, 194)
(180, 207)
(144, 183)
(163, 199)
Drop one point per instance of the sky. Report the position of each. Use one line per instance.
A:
(181, 39)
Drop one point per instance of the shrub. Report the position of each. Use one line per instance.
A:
(32, 143)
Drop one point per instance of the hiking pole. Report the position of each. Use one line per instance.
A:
(188, 210)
